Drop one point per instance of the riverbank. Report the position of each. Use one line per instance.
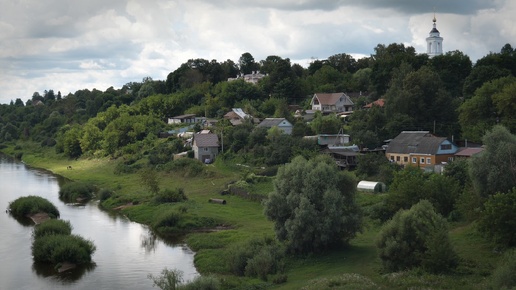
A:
(354, 267)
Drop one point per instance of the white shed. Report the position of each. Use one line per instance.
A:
(371, 186)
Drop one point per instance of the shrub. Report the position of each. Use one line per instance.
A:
(186, 166)
(52, 227)
(202, 283)
(74, 191)
(498, 219)
(57, 249)
(170, 195)
(504, 276)
(173, 279)
(167, 219)
(104, 194)
(29, 205)
(257, 258)
(416, 237)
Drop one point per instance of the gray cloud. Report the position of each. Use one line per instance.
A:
(69, 45)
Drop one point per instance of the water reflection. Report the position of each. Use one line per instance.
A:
(67, 277)
(126, 251)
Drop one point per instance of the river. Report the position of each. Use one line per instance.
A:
(126, 254)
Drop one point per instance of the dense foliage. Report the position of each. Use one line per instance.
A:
(29, 205)
(498, 219)
(313, 205)
(52, 227)
(57, 249)
(416, 237)
(77, 191)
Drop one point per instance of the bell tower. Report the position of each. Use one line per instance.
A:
(434, 42)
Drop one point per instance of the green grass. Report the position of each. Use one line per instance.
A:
(356, 266)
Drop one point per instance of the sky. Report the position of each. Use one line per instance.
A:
(70, 45)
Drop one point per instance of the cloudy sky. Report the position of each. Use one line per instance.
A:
(68, 45)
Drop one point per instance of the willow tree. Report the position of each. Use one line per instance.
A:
(313, 205)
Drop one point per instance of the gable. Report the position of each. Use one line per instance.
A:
(420, 142)
(206, 140)
(331, 99)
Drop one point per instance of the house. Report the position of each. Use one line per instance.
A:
(253, 78)
(332, 139)
(282, 123)
(237, 116)
(420, 148)
(332, 103)
(206, 147)
(344, 156)
(379, 103)
(468, 152)
(187, 119)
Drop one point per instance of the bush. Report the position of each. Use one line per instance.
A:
(104, 194)
(173, 279)
(498, 219)
(167, 219)
(416, 237)
(29, 205)
(74, 191)
(57, 249)
(170, 195)
(257, 258)
(52, 227)
(186, 166)
(504, 276)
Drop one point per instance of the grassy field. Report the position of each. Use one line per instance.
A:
(356, 266)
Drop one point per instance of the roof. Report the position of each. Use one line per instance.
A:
(184, 116)
(420, 142)
(206, 140)
(380, 103)
(271, 122)
(468, 152)
(331, 99)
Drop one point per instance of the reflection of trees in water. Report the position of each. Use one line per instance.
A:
(149, 241)
(24, 221)
(72, 275)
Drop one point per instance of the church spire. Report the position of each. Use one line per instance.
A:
(434, 41)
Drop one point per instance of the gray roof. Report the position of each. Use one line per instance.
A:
(271, 122)
(419, 142)
(206, 140)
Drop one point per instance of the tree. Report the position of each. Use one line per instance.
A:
(313, 205)
(498, 219)
(453, 68)
(149, 179)
(494, 170)
(247, 64)
(416, 237)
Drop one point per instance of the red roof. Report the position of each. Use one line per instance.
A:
(380, 103)
(468, 152)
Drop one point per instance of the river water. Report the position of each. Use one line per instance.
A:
(126, 253)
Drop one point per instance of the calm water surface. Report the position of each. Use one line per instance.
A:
(126, 251)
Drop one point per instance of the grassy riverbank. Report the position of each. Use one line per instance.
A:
(354, 267)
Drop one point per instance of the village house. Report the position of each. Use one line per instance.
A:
(237, 116)
(421, 149)
(185, 119)
(205, 147)
(282, 123)
(332, 103)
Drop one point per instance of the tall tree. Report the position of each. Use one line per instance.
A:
(313, 205)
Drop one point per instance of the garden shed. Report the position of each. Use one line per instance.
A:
(371, 186)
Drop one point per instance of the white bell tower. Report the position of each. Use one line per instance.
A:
(434, 42)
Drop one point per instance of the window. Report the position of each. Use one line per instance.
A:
(422, 160)
(445, 146)
(414, 160)
(397, 158)
(429, 161)
(205, 149)
(392, 157)
(450, 159)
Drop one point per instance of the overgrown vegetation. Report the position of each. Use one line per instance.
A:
(52, 227)
(77, 191)
(56, 249)
(29, 205)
